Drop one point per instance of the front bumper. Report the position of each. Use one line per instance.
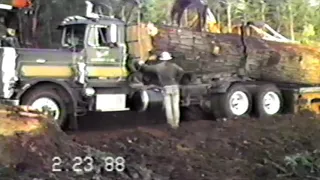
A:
(10, 102)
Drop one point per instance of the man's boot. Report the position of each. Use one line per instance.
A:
(176, 123)
(172, 124)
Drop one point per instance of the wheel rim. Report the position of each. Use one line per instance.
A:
(271, 103)
(239, 103)
(46, 103)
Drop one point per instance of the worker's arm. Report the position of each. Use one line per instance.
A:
(131, 65)
(180, 72)
(146, 68)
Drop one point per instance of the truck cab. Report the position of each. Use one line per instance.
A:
(87, 73)
(100, 44)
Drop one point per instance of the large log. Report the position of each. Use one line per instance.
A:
(204, 53)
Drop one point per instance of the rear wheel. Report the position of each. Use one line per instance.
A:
(236, 102)
(268, 101)
(50, 98)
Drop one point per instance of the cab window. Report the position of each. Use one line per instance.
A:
(100, 36)
(103, 36)
(74, 36)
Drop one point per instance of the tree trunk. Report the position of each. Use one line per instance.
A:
(263, 11)
(229, 18)
(291, 23)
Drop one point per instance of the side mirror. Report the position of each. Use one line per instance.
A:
(113, 33)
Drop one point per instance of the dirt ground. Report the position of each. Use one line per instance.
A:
(241, 149)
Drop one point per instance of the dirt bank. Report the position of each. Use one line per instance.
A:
(207, 150)
(200, 150)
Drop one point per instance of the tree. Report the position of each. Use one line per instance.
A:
(157, 11)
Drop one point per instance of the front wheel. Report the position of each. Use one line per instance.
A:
(48, 98)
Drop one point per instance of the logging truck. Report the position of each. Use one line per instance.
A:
(90, 73)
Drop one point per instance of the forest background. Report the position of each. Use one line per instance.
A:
(295, 19)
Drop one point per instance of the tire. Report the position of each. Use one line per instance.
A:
(53, 94)
(268, 101)
(221, 103)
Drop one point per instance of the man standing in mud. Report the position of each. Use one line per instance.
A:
(169, 75)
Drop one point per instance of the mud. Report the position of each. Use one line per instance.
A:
(199, 150)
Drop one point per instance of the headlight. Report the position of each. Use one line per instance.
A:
(89, 91)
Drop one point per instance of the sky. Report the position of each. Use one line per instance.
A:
(314, 2)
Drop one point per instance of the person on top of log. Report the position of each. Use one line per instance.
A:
(169, 75)
(180, 6)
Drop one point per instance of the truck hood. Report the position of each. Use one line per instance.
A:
(49, 55)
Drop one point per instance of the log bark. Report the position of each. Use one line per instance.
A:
(204, 53)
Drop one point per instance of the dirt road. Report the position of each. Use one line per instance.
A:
(206, 150)
(284, 147)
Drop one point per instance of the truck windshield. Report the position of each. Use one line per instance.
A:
(74, 36)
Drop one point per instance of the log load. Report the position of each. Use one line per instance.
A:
(205, 53)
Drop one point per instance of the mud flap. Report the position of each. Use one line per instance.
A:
(309, 99)
(73, 122)
(290, 99)
(302, 99)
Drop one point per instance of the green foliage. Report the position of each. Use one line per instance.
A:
(275, 13)
(157, 11)
(304, 163)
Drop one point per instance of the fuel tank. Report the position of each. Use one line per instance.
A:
(144, 100)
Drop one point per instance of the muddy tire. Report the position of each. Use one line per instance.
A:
(51, 97)
(268, 101)
(236, 102)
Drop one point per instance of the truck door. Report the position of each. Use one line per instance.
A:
(106, 53)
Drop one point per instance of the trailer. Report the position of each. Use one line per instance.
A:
(234, 97)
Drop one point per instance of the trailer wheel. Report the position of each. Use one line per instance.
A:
(236, 102)
(49, 97)
(268, 101)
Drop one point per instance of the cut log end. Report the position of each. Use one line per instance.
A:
(28, 137)
(21, 119)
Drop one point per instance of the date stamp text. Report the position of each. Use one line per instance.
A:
(87, 164)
